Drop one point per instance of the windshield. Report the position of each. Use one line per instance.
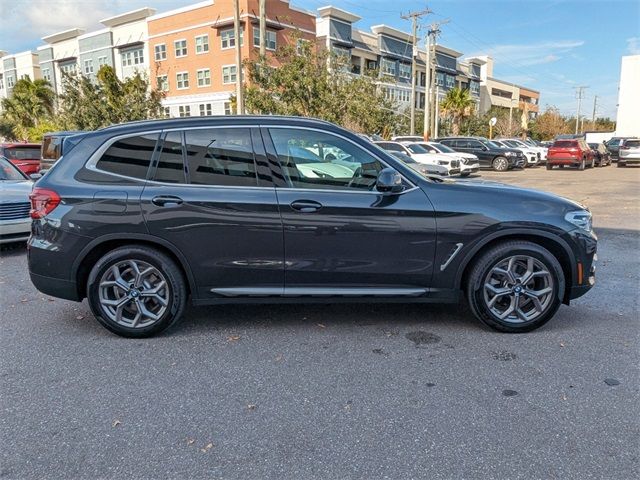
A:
(414, 148)
(9, 172)
(443, 148)
(404, 157)
(22, 153)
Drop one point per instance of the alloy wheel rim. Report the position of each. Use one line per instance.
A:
(133, 293)
(502, 164)
(518, 289)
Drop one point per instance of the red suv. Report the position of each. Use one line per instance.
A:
(574, 152)
(25, 156)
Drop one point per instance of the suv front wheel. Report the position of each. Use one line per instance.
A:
(136, 291)
(515, 287)
(500, 164)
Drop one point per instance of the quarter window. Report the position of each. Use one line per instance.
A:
(312, 159)
(170, 167)
(220, 156)
(129, 157)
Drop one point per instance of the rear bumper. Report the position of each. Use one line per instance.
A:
(563, 161)
(628, 160)
(55, 287)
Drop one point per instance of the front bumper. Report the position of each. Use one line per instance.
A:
(469, 168)
(15, 230)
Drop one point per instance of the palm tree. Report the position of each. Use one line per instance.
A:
(30, 102)
(457, 104)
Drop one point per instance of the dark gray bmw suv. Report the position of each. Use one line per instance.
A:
(141, 217)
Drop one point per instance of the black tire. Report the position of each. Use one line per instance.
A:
(500, 164)
(465, 174)
(582, 165)
(174, 293)
(476, 279)
(593, 163)
(549, 167)
(620, 164)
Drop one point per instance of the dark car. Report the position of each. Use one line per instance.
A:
(601, 155)
(55, 145)
(141, 217)
(25, 156)
(489, 154)
(570, 153)
(613, 145)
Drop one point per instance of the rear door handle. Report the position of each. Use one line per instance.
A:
(306, 206)
(166, 201)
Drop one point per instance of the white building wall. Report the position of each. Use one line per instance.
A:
(127, 34)
(628, 118)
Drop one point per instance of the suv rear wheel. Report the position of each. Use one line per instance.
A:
(582, 164)
(515, 287)
(136, 291)
(500, 164)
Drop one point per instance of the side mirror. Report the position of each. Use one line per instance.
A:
(35, 176)
(389, 181)
(484, 148)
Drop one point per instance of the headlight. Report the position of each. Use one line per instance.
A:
(463, 161)
(580, 218)
(509, 154)
(443, 162)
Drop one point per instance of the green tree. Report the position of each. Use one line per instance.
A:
(88, 104)
(31, 103)
(457, 104)
(316, 83)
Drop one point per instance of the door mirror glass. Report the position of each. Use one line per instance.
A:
(389, 181)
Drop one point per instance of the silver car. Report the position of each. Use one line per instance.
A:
(629, 152)
(15, 187)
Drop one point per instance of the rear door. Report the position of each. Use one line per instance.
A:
(211, 196)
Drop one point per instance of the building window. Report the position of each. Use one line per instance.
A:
(440, 79)
(102, 61)
(228, 38)
(271, 39)
(184, 110)
(10, 82)
(229, 74)
(388, 66)
(182, 80)
(474, 87)
(46, 75)
(180, 48)
(227, 108)
(202, 44)
(160, 52)
(204, 77)
(167, 112)
(69, 68)
(133, 57)
(341, 52)
(450, 81)
(206, 110)
(405, 70)
(163, 83)
(88, 67)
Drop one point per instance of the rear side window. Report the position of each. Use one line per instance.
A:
(220, 156)
(170, 167)
(22, 153)
(51, 148)
(129, 156)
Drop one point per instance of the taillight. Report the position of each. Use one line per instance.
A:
(43, 201)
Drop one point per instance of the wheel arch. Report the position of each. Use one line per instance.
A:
(98, 247)
(558, 247)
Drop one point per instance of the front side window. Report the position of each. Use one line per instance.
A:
(220, 156)
(204, 77)
(129, 156)
(313, 159)
(170, 168)
(202, 44)
(160, 52)
(180, 47)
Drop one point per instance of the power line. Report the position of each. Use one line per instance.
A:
(579, 96)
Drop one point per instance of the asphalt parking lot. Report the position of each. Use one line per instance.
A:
(338, 391)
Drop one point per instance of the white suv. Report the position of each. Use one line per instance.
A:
(469, 163)
(421, 155)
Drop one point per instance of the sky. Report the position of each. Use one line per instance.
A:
(551, 46)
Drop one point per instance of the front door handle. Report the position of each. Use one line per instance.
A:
(306, 206)
(166, 201)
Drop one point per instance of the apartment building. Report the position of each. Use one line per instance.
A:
(192, 50)
(121, 44)
(17, 66)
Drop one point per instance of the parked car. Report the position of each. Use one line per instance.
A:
(613, 145)
(55, 145)
(139, 217)
(530, 145)
(468, 162)
(408, 138)
(570, 153)
(25, 156)
(629, 152)
(532, 157)
(422, 168)
(15, 187)
(600, 153)
(489, 154)
(421, 155)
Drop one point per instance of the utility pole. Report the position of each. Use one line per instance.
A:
(593, 116)
(414, 16)
(263, 27)
(432, 36)
(579, 95)
(236, 33)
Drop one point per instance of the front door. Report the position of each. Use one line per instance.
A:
(342, 236)
(211, 196)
